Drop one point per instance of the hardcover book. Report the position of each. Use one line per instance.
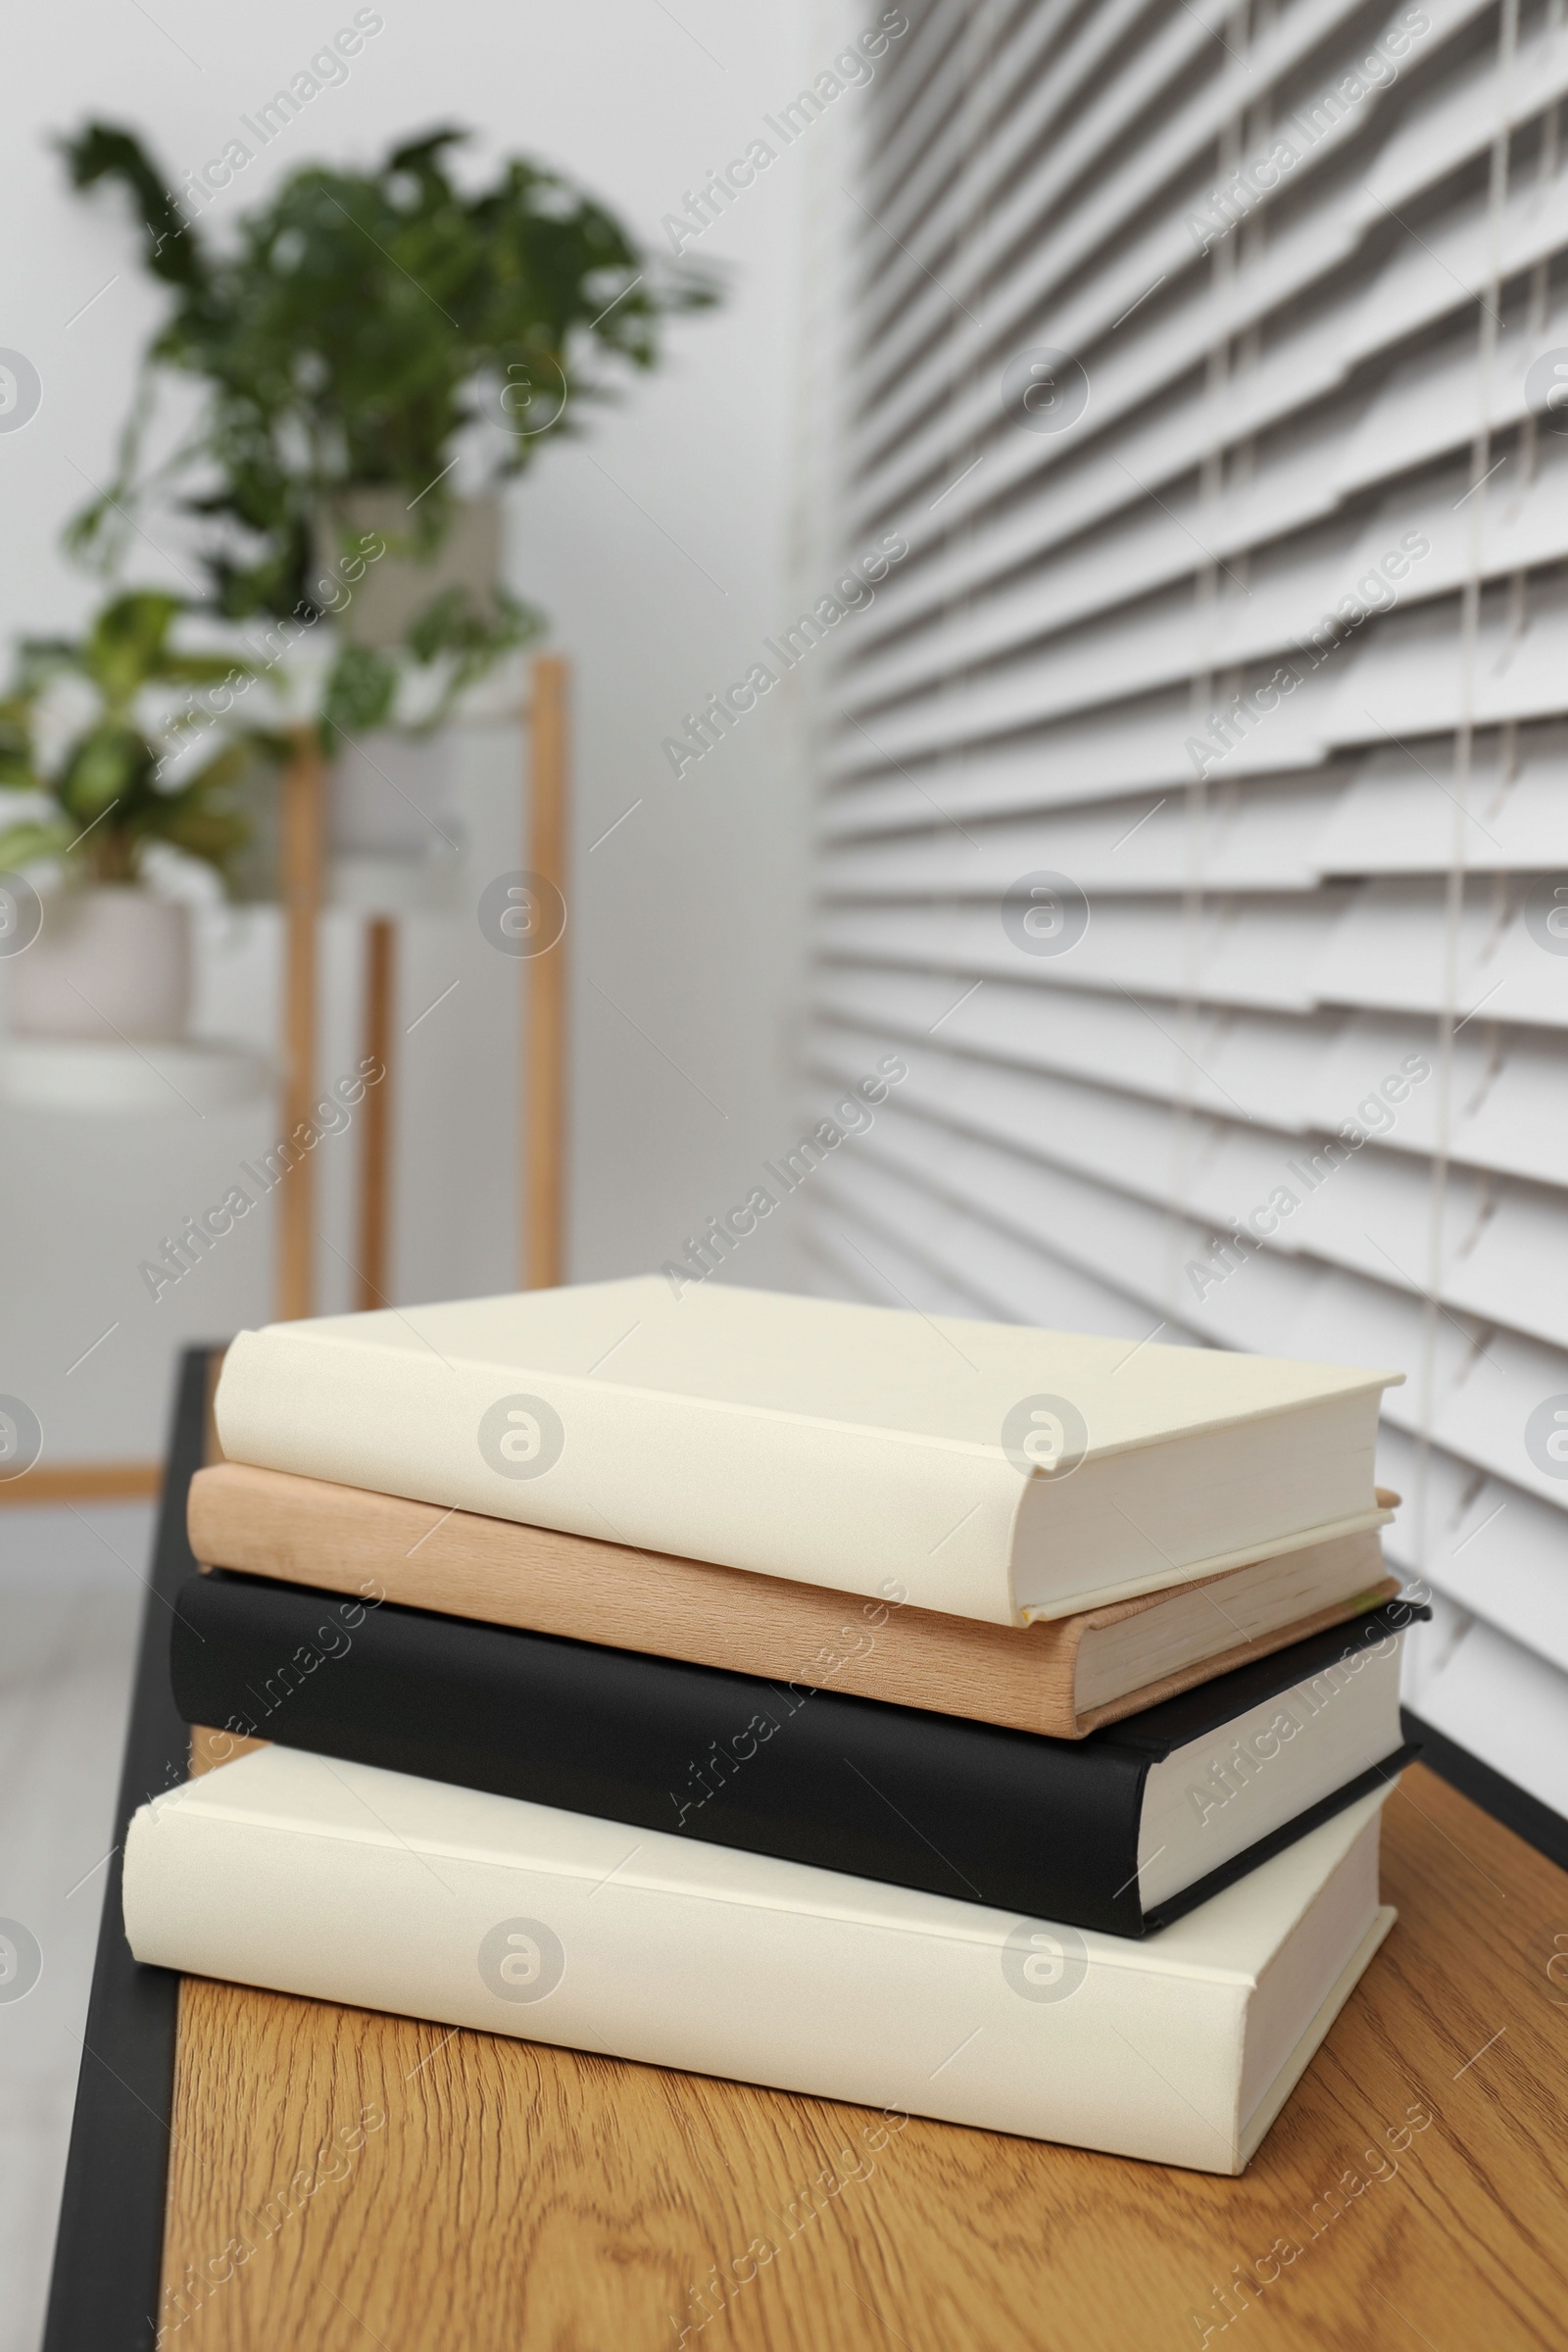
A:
(1064, 1676)
(346, 1884)
(1123, 1832)
(988, 1470)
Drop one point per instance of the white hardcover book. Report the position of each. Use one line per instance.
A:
(347, 1884)
(986, 1469)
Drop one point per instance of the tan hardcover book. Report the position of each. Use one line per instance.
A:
(1064, 1678)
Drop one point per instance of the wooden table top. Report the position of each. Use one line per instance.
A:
(338, 2180)
(402, 2185)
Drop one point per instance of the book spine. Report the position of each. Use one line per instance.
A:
(308, 1533)
(935, 1802)
(877, 1512)
(897, 2017)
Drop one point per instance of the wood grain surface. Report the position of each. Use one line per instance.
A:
(341, 2180)
(306, 1531)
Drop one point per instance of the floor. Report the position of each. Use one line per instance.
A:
(71, 1596)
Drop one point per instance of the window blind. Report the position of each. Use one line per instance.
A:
(1193, 809)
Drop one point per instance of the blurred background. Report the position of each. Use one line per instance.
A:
(1109, 460)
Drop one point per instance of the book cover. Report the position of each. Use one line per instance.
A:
(1123, 1832)
(341, 1883)
(987, 1470)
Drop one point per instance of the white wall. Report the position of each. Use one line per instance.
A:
(658, 545)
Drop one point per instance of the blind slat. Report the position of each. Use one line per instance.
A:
(1261, 668)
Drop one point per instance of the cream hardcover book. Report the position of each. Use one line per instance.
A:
(347, 1883)
(992, 1471)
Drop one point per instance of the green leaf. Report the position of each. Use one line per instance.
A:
(35, 838)
(125, 643)
(17, 768)
(207, 830)
(199, 669)
(229, 766)
(102, 769)
(471, 636)
(108, 796)
(103, 151)
(361, 688)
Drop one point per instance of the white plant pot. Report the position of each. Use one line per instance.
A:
(112, 960)
(393, 590)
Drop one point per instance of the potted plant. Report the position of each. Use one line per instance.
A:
(358, 331)
(119, 744)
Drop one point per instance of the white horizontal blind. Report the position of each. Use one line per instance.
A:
(1195, 791)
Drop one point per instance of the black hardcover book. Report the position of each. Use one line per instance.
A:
(1123, 1832)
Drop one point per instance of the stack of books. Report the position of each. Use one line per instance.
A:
(966, 1720)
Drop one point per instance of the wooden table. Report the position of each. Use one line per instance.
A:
(337, 2179)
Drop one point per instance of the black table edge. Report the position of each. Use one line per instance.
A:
(103, 2296)
(1517, 1810)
